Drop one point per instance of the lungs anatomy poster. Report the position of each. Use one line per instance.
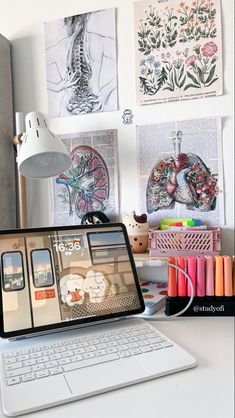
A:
(81, 63)
(91, 183)
(178, 50)
(181, 175)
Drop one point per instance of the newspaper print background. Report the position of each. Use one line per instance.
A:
(178, 50)
(91, 183)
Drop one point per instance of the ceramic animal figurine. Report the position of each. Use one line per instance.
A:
(138, 231)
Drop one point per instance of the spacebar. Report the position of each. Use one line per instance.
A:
(90, 362)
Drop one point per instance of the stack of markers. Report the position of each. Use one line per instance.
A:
(213, 280)
(181, 224)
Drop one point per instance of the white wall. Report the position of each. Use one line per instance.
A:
(22, 23)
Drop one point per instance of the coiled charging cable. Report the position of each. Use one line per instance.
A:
(168, 317)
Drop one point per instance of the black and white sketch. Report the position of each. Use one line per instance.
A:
(81, 63)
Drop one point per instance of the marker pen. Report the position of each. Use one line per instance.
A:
(181, 279)
(172, 284)
(210, 281)
(233, 275)
(201, 288)
(228, 276)
(219, 276)
(192, 272)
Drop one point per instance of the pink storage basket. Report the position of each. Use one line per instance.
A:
(164, 243)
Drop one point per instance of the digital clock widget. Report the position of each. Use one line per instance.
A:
(68, 244)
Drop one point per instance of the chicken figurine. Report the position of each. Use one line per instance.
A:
(138, 231)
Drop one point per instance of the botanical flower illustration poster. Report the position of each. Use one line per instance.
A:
(91, 183)
(178, 50)
(181, 175)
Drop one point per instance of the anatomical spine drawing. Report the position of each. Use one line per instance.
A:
(91, 182)
(178, 49)
(81, 63)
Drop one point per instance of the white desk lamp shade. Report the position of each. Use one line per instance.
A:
(41, 154)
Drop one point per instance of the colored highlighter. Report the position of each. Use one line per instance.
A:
(201, 288)
(219, 276)
(172, 284)
(191, 270)
(210, 281)
(233, 275)
(181, 279)
(228, 276)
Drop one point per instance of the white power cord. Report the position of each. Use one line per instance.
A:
(165, 317)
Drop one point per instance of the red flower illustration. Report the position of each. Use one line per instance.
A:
(209, 49)
(201, 177)
(190, 60)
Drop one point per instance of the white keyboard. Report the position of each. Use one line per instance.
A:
(44, 361)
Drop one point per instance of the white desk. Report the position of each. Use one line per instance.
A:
(206, 391)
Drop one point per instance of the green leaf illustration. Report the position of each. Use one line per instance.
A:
(183, 81)
(191, 86)
(201, 75)
(176, 81)
(211, 74)
(181, 72)
(161, 79)
(168, 88)
(193, 78)
(212, 81)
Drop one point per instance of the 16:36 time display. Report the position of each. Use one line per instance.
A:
(71, 246)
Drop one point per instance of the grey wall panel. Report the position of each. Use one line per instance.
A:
(7, 158)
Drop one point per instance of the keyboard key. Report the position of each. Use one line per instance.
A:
(68, 353)
(55, 356)
(100, 353)
(76, 358)
(167, 344)
(42, 359)
(13, 381)
(146, 349)
(156, 346)
(79, 351)
(50, 364)
(124, 354)
(156, 340)
(56, 370)
(23, 357)
(101, 346)
(38, 367)
(27, 377)
(111, 350)
(35, 355)
(10, 360)
(42, 373)
(90, 362)
(64, 361)
(18, 372)
(13, 366)
(88, 355)
(135, 351)
(122, 347)
(30, 362)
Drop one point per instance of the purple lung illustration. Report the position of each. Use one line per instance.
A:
(87, 181)
(182, 178)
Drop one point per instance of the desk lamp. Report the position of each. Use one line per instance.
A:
(40, 154)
